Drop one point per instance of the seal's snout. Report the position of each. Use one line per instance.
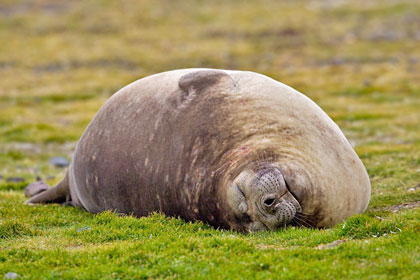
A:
(277, 207)
(285, 212)
(263, 196)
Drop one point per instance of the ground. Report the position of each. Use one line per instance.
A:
(61, 60)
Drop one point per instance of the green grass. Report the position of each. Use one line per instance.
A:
(61, 60)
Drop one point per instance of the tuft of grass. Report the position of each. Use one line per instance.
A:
(15, 229)
(9, 186)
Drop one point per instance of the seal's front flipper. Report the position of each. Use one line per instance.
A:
(60, 193)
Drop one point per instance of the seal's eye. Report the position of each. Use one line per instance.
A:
(268, 202)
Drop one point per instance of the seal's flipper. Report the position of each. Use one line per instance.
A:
(60, 193)
(36, 188)
(202, 80)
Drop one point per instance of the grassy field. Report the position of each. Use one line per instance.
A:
(61, 60)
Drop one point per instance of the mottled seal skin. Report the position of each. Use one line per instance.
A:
(233, 149)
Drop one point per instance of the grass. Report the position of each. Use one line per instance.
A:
(61, 60)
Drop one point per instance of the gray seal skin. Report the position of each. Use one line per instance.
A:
(234, 149)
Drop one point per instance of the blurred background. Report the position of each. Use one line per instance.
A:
(359, 60)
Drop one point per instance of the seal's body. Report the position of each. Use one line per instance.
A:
(233, 149)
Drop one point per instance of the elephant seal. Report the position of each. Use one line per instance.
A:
(236, 150)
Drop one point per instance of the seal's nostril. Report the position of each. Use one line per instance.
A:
(269, 201)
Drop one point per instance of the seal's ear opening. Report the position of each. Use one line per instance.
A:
(202, 80)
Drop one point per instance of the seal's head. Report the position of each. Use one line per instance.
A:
(264, 197)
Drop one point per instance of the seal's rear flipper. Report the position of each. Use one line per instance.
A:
(60, 193)
(36, 188)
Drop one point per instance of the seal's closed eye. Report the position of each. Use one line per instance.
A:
(239, 189)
